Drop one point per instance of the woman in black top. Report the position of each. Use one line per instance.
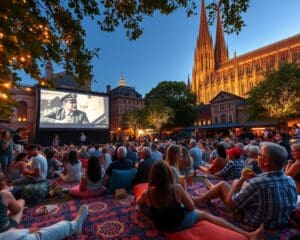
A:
(172, 208)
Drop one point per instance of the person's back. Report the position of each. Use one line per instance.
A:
(232, 170)
(167, 216)
(273, 197)
(156, 155)
(143, 171)
(73, 172)
(196, 154)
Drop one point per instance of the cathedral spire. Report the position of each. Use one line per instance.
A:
(189, 82)
(204, 39)
(221, 52)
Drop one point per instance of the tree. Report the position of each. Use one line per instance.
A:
(32, 32)
(134, 119)
(231, 14)
(178, 97)
(157, 114)
(278, 96)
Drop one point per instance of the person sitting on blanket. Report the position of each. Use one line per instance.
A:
(38, 168)
(267, 198)
(218, 163)
(91, 180)
(57, 231)
(171, 207)
(9, 203)
(233, 168)
(121, 164)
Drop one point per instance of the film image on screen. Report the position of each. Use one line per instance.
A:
(63, 109)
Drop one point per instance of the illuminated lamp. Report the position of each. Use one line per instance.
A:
(19, 119)
(28, 89)
(24, 119)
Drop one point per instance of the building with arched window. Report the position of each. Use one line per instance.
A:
(25, 112)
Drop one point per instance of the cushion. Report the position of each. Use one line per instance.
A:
(204, 230)
(121, 179)
(75, 192)
(138, 189)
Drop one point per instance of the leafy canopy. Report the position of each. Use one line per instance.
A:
(176, 96)
(278, 96)
(32, 32)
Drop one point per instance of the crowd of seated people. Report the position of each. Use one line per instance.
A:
(252, 165)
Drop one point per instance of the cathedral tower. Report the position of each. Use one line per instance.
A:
(204, 63)
(221, 51)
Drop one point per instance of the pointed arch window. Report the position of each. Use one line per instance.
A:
(22, 111)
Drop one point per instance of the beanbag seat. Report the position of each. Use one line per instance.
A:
(121, 179)
(75, 192)
(204, 230)
(138, 189)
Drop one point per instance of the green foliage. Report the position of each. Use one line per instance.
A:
(32, 32)
(177, 97)
(231, 14)
(157, 114)
(278, 96)
(134, 119)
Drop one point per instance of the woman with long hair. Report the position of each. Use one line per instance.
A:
(173, 157)
(72, 168)
(186, 162)
(172, 209)
(91, 180)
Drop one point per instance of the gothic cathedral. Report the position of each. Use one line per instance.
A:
(213, 71)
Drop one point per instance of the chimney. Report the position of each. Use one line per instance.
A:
(107, 89)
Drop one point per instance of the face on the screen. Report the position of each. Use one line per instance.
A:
(70, 106)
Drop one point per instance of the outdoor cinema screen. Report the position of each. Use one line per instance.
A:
(64, 109)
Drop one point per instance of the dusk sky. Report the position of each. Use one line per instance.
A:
(165, 50)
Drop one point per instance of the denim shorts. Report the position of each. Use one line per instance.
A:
(190, 218)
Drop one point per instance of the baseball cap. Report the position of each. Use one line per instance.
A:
(235, 152)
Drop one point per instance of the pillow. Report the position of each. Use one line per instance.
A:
(204, 230)
(121, 179)
(138, 189)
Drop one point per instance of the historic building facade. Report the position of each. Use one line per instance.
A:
(122, 99)
(213, 71)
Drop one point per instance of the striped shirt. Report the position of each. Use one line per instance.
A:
(268, 198)
(232, 170)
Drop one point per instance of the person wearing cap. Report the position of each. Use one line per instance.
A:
(267, 198)
(68, 113)
(233, 168)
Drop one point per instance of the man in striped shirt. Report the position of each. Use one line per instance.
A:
(267, 198)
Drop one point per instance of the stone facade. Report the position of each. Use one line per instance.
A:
(122, 99)
(214, 72)
(225, 108)
(25, 112)
(228, 108)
